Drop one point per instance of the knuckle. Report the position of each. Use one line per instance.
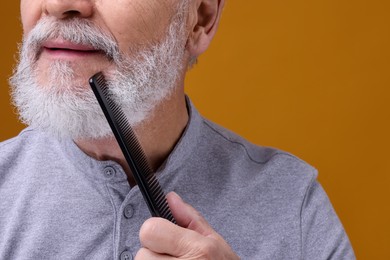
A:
(183, 242)
(147, 230)
(209, 249)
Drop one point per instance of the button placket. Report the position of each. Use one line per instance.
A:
(129, 228)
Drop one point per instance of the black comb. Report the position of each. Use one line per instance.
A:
(132, 150)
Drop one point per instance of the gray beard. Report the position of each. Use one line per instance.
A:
(138, 84)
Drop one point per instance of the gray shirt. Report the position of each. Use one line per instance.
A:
(58, 203)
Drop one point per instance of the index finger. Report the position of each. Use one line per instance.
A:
(161, 236)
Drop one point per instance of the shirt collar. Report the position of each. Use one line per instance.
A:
(182, 150)
(186, 144)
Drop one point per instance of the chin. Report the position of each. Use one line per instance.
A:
(64, 81)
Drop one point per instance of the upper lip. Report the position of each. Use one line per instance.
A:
(67, 45)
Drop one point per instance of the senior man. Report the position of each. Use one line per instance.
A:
(66, 191)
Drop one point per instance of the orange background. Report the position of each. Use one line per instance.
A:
(309, 77)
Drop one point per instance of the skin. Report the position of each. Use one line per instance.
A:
(193, 238)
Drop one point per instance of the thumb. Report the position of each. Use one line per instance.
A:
(187, 217)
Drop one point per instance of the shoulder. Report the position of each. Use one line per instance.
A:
(264, 160)
(15, 144)
(25, 146)
(25, 136)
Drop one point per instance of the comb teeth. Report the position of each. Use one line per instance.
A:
(132, 150)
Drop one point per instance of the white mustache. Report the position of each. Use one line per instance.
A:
(75, 30)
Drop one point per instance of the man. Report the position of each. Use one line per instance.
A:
(66, 191)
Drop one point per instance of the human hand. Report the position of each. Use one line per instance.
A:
(192, 239)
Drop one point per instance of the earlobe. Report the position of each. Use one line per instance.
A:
(207, 14)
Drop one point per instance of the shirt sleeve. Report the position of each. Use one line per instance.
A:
(323, 235)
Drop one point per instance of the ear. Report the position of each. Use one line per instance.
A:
(203, 21)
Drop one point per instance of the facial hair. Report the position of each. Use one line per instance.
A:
(66, 108)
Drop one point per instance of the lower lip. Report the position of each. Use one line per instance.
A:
(69, 54)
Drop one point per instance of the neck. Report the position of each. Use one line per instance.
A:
(158, 135)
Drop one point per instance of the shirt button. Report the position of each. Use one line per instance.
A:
(129, 211)
(126, 255)
(109, 171)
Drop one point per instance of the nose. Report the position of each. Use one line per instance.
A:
(63, 9)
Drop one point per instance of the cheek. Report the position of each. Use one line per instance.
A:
(30, 11)
(137, 23)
